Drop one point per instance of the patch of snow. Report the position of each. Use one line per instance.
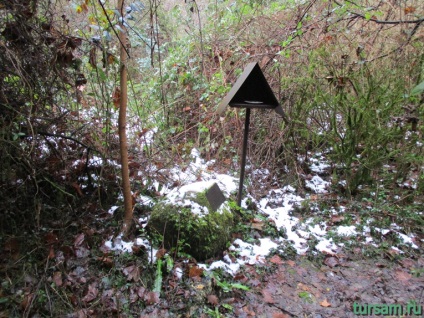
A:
(327, 246)
(346, 230)
(112, 209)
(119, 245)
(407, 240)
(317, 184)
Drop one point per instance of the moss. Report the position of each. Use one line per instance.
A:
(202, 236)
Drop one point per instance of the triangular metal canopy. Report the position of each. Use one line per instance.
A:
(251, 90)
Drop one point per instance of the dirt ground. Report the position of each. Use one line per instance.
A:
(298, 288)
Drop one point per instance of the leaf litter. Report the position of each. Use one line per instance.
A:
(317, 280)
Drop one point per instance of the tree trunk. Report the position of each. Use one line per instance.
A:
(123, 143)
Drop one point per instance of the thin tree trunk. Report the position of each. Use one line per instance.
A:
(123, 143)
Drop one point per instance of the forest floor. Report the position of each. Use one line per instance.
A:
(296, 257)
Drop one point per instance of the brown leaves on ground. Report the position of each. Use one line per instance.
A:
(276, 260)
(151, 298)
(213, 300)
(195, 271)
(331, 261)
(92, 293)
(267, 294)
(402, 276)
(57, 279)
(132, 272)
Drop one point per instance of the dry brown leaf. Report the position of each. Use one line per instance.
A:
(11, 245)
(92, 293)
(276, 260)
(77, 188)
(303, 287)
(325, 303)
(141, 292)
(79, 239)
(133, 296)
(132, 272)
(57, 279)
(52, 254)
(195, 271)
(409, 10)
(291, 263)
(259, 226)
(27, 300)
(279, 315)
(213, 300)
(116, 97)
(337, 219)
(50, 238)
(407, 263)
(111, 58)
(160, 253)
(331, 261)
(402, 276)
(151, 298)
(267, 296)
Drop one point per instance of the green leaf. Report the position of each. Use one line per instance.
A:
(158, 279)
(240, 286)
(4, 300)
(418, 89)
(169, 264)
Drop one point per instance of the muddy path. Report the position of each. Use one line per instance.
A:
(302, 288)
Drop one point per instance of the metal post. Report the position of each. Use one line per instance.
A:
(243, 156)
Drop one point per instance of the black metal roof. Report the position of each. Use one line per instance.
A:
(251, 90)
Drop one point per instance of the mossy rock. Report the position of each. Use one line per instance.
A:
(191, 226)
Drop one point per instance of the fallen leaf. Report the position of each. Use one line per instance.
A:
(195, 271)
(213, 300)
(402, 276)
(52, 254)
(132, 272)
(57, 279)
(407, 263)
(241, 277)
(26, 301)
(151, 298)
(92, 293)
(267, 296)
(11, 245)
(279, 315)
(337, 219)
(133, 296)
(255, 282)
(107, 261)
(77, 188)
(331, 261)
(303, 287)
(79, 239)
(82, 252)
(141, 291)
(50, 238)
(409, 10)
(291, 263)
(259, 226)
(325, 303)
(276, 260)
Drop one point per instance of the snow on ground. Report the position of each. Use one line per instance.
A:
(277, 206)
